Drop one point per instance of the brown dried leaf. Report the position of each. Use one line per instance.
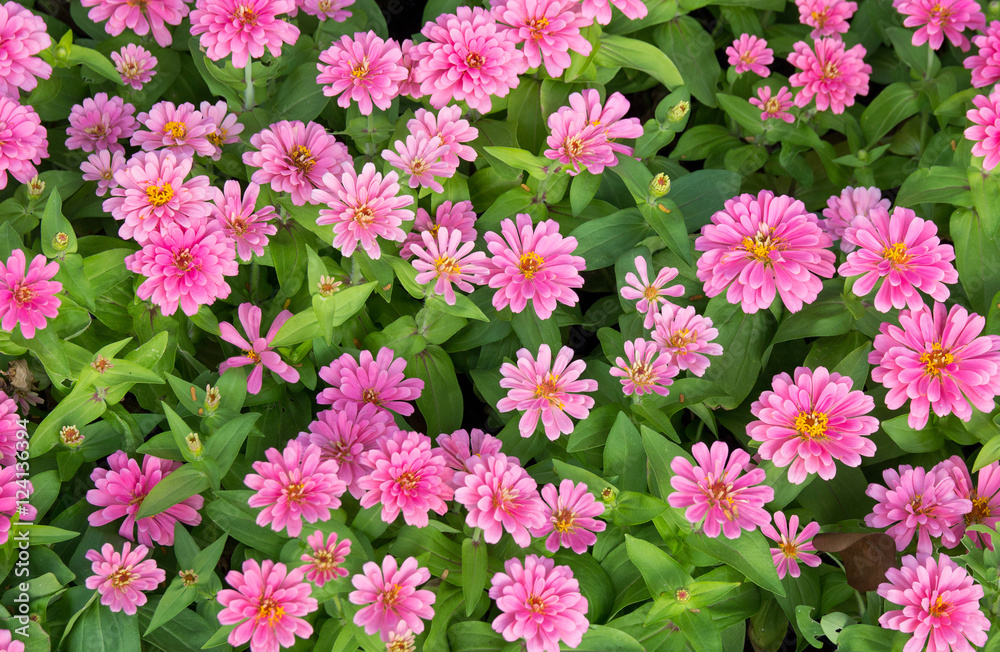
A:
(866, 556)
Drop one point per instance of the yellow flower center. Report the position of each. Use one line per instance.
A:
(364, 215)
(789, 549)
(97, 130)
(897, 254)
(245, 15)
(812, 425)
(295, 492)
(830, 70)
(371, 396)
(122, 577)
(302, 158)
(536, 25)
(503, 499)
(651, 293)
(323, 560)
(536, 604)
(176, 129)
(934, 359)
(565, 521)
(390, 598)
(772, 106)
(361, 70)
(574, 147)
(252, 356)
(23, 295)
(217, 137)
(760, 246)
(183, 260)
(939, 608)
(475, 60)
(530, 263)
(159, 195)
(447, 266)
(719, 496)
(270, 611)
(820, 17)
(641, 374)
(407, 480)
(548, 389)
(238, 225)
(681, 338)
(980, 510)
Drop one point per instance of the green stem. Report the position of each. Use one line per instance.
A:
(930, 60)
(248, 99)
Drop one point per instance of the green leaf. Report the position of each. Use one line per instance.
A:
(299, 98)
(592, 432)
(619, 51)
(744, 338)
(700, 194)
(913, 441)
(95, 61)
(288, 252)
(463, 307)
(810, 628)
(663, 575)
(976, 257)
(300, 328)
(686, 42)
(522, 160)
(77, 409)
(441, 401)
(700, 631)
(582, 191)
(53, 222)
(599, 638)
(533, 332)
(602, 240)
(175, 599)
(74, 279)
(895, 103)
(337, 309)
(634, 508)
(224, 444)
(474, 636)
(824, 317)
(173, 489)
(100, 630)
(985, 188)
(744, 113)
(624, 458)
(868, 638)
(936, 185)
(474, 572)
(749, 554)
(233, 515)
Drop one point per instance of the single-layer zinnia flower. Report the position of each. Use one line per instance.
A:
(239, 218)
(123, 578)
(569, 514)
(794, 546)
(447, 260)
(936, 19)
(774, 105)
(324, 558)
(647, 370)
(257, 350)
(750, 53)
(650, 293)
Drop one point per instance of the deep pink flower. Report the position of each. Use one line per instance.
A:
(648, 369)
(937, 359)
(686, 337)
(937, 19)
(122, 578)
(826, 17)
(759, 245)
(293, 157)
(181, 129)
(391, 595)
(409, 87)
(808, 423)
(832, 73)
(466, 57)
(407, 476)
(236, 213)
(99, 122)
(10, 426)
(569, 515)
(601, 9)
(576, 143)
(461, 450)
(101, 167)
(540, 603)
(500, 495)
(422, 159)
(985, 64)
(984, 494)
(841, 210)
(985, 132)
(793, 546)
(23, 35)
(294, 485)
(456, 217)
(717, 490)
(365, 69)
(269, 603)
(327, 9)
(257, 350)
(242, 28)
(227, 128)
(774, 106)
(447, 262)
(8, 644)
(533, 263)
(750, 53)
(378, 381)
(14, 494)
(135, 64)
(185, 267)
(141, 17)
(449, 127)
(120, 490)
(650, 294)
(27, 295)
(24, 141)
(549, 30)
(323, 561)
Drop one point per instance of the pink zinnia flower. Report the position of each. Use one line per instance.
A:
(650, 294)
(500, 495)
(407, 476)
(101, 167)
(569, 515)
(400, 639)
(985, 132)
(409, 87)
(774, 106)
(576, 143)
(327, 9)
(686, 337)
(449, 127)
(378, 381)
(294, 485)
(227, 128)
(99, 122)
(135, 64)
(8, 644)
(362, 208)
(181, 129)
(841, 210)
(141, 17)
(185, 267)
(242, 28)
(466, 57)
(456, 217)
(601, 9)
(985, 64)
(422, 159)
(533, 263)
(546, 389)
(904, 252)
(832, 73)
(120, 490)
(447, 262)
(236, 213)
(793, 546)
(23, 35)
(24, 141)
(750, 53)
(549, 30)
(293, 157)
(759, 245)
(984, 494)
(718, 491)
(10, 425)
(391, 595)
(257, 350)
(648, 369)
(540, 603)
(14, 494)
(323, 561)
(461, 450)
(937, 359)
(827, 17)
(365, 69)
(940, 18)
(915, 501)
(27, 295)
(268, 603)
(122, 578)
(589, 129)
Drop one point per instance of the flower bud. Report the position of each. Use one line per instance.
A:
(660, 185)
(194, 444)
(60, 241)
(212, 398)
(678, 111)
(70, 436)
(863, 155)
(682, 595)
(35, 188)
(188, 577)
(608, 495)
(101, 364)
(328, 286)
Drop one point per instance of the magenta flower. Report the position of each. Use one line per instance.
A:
(323, 561)
(456, 217)
(407, 476)
(365, 69)
(540, 603)
(937, 19)
(500, 495)
(774, 106)
(123, 578)
(242, 28)
(648, 369)
(362, 208)
(461, 450)
(14, 492)
(239, 218)
(904, 252)
(576, 143)
(294, 485)
(793, 546)
(985, 497)
(8, 644)
(759, 245)
(257, 350)
(686, 337)
(268, 603)
(135, 64)
(378, 381)
(750, 53)
(10, 426)
(841, 210)
(546, 389)
(446, 262)
(985, 132)
(985, 64)
(101, 167)
(181, 129)
(24, 141)
(937, 359)
(601, 9)
(569, 515)
(23, 36)
(27, 295)
(826, 17)
(391, 596)
(549, 30)
(466, 57)
(422, 159)
(327, 9)
(533, 263)
(293, 157)
(650, 294)
(718, 491)
(141, 17)
(449, 127)
(227, 127)
(99, 122)
(808, 423)
(831, 73)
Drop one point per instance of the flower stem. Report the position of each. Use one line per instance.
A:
(930, 60)
(248, 99)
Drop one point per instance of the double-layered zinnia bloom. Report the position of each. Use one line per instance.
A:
(141, 17)
(101, 166)
(500, 495)
(325, 556)
(451, 129)
(24, 141)
(122, 578)
(257, 350)
(422, 159)
(242, 28)
(647, 370)
(685, 338)
(842, 209)
(830, 72)
(457, 216)
(294, 157)
(750, 53)
(182, 129)
(549, 30)
(390, 595)
(98, 123)
(793, 545)
(364, 69)
(461, 450)
(601, 9)
(985, 64)
(937, 19)
(8, 644)
(23, 36)
(375, 380)
(984, 494)
(135, 64)
(27, 295)
(985, 132)
(826, 17)
(569, 514)
(587, 131)
(446, 260)
(10, 426)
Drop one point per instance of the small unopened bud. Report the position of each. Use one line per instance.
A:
(70, 436)
(608, 494)
(188, 577)
(61, 53)
(327, 286)
(678, 111)
(863, 155)
(660, 185)
(101, 364)
(194, 443)
(212, 398)
(60, 241)
(35, 188)
(100, 395)
(682, 595)
(993, 8)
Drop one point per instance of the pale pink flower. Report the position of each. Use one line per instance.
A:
(985, 64)
(793, 546)
(774, 105)
(101, 167)
(456, 217)
(446, 262)
(841, 210)
(936, 358)
(8, 644)
(99, 122)
(407, 476)
(141, 17)
(937, 19)
(830, 72)
(984, 494)
(257, 350)
(268, 605)
(123, 578)
(409, 87)
(185, 267)
(27, 293)
(609, 116)
(569, 514)
(293, 157)
(757, 246)
(242, 28)
(294, 485)
(227, 127)
(450, 129)
(533, 263)
(466, 57)
(500, 495)
(461, 450)
(549, 30)
(808, 423)
(24, 141)
(122, 487)
(365, 69)
(575, 142)
(717, 490)
(985, 132)
(391, 596)
(135, 64)
(362, 208)
(686, 337)
(324, 559)
(650, 294)
(750, 53)
(327, 9)
(826, 17)
(601, 9)
(540, 603)
(15, 490)
(239, 218)
(180, 129)
(10, 426)
(378, 381)
(422, 159)
(648, 369)
(23, 35)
